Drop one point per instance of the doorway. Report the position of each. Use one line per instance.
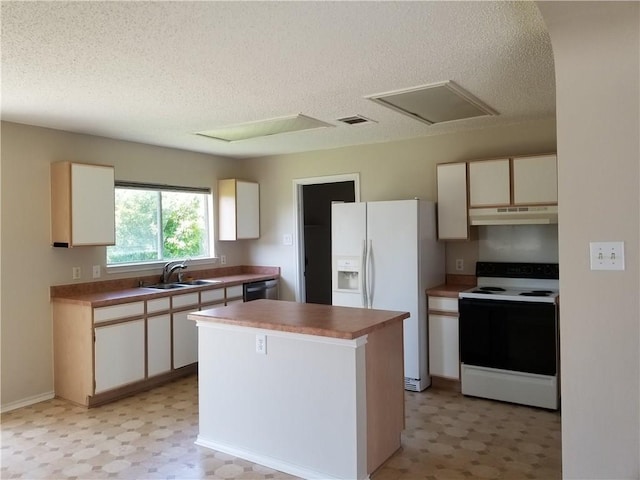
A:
(314, 197)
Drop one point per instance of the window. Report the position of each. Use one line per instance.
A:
(160, 223)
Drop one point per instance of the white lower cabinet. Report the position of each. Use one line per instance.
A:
(234, 294)
(444, 349)
(158, 344)
(119, 354)
(103, 353)
(185, 340)
(444, 356)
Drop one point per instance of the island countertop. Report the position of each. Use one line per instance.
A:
(306, 318)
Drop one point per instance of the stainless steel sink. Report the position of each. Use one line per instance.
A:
(190, 283)
(165, 286)
(200, 282)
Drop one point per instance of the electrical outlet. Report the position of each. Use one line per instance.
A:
(96, 271)
(223, 259)
(459, 264)
(287, 239)
(606, 255)
(76, 273)
(261, 343)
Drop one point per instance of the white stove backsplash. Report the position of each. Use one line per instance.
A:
(518, 243)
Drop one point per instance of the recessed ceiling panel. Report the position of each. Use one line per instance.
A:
(264, 128)
(437, 103)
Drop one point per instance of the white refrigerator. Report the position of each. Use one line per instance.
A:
(384, 256)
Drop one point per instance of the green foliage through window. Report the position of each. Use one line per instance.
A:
(154, 224)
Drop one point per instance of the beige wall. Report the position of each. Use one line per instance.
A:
(597, 56)
(30, 265)
(395, 170)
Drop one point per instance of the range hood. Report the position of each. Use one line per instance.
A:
(542, 215)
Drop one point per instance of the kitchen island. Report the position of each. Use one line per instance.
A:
(312, 390)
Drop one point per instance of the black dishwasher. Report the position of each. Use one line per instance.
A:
(263, 289)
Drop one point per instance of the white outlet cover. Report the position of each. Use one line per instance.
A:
(261, 343)
(606, 255)
(287, 239)
(76, 273)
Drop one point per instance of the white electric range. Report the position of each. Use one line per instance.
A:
(509, 344)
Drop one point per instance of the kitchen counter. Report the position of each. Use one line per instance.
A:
(113, 292)
(454, 285)
(316, 391)
(306, 318)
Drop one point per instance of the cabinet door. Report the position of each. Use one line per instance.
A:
(248, 202)
(92, 205)
(489, 183)
(444, 357)
(238, 209)
(453, 220)
(234, 294)
(210, 297)
(158, 344)
(185, 340)
(535, 180)
(119, 354)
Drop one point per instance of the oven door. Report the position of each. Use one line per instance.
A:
(516, 336)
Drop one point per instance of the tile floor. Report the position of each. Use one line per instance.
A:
(151, 435)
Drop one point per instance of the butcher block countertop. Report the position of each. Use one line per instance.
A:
(113, 292)
(306, 318)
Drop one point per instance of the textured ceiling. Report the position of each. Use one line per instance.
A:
(157, 72)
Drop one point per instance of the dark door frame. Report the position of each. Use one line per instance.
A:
(298, 239)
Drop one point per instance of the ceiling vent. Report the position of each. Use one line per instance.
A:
(356, 120)
(264, 128)
(435, 103)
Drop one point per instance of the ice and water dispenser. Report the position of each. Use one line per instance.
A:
(347, 270)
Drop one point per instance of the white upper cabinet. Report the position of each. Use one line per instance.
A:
(531, 180)
(489, 183)
(238, 209)
(82, 204)
(453, 223)
(535, 180)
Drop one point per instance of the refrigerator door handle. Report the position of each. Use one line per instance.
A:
(370, 275)
(363, 274)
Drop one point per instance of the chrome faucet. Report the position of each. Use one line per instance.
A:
(171, 267)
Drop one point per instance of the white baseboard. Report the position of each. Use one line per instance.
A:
(276, 464)
(26, 402)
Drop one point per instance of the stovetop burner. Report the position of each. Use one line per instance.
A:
(515, 282)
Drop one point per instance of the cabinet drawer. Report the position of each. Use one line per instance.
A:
(114, 312)
(158, 305)
(185, 300)
(209, 296)
(443, 304)
(235, 291)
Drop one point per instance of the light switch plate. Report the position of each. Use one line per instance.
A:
(606, 255)
(287, 239)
